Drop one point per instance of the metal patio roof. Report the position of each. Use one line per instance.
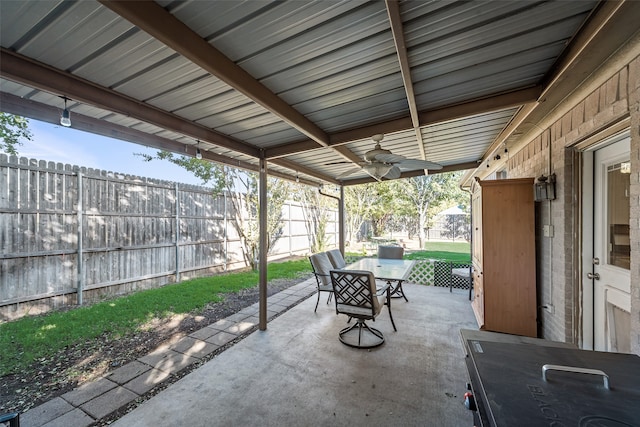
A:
(305, 84)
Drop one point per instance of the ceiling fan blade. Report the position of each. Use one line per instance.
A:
(348, 172)
(337, 163)
(393, 173)
(415, 164)
(390, 158)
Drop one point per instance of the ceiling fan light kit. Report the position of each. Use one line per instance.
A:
(377, 169)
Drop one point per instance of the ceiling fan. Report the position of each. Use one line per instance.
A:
(381, 163)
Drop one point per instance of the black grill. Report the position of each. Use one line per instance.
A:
(510, 390)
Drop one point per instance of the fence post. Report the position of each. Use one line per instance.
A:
(226, 235)
(177, 216)
(80, 232)
(289, 228)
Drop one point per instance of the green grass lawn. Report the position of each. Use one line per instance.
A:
(449, 251)
(31, 338)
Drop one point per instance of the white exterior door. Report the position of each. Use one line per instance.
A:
(609, 276)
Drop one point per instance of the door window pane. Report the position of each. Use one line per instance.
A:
(618, 214)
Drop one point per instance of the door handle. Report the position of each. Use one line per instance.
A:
(593, 276)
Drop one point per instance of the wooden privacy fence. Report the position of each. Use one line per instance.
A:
(68, 233)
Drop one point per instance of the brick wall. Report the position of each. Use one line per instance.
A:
(617, 98)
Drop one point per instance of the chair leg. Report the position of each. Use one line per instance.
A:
(329, 298)
(315, 309)
(450, 277)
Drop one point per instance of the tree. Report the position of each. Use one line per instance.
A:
(210, 173)
(314, 209)
(242, 188)
(247, 210)
(356, 206)
(12, 129)
(404, 217)
(382, 200)
(371, 202)
(430, 192)
(457, 226)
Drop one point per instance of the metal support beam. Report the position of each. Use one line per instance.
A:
(397, 29)
(341, 216)
(262, 266)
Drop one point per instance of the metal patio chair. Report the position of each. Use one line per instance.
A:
(336, 258)
(356, 296)
(321, 267)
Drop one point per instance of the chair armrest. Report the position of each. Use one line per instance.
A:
(321, 275)
(383, 289)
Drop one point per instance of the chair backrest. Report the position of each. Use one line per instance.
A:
(336, 258)
(355, 293)
(390, 252)
(321, 267)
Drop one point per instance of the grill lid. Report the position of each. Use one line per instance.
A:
(514, 392)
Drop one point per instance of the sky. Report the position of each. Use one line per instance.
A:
(66, 145)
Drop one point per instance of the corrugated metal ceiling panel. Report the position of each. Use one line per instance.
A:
(19, 19)
(376, 108)
(459, 52)
(464, 139)
(84, 29)
(8, 86)
(292, 33)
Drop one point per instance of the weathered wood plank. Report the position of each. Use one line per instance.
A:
(129, 231)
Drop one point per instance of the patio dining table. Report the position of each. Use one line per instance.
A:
(391, 270)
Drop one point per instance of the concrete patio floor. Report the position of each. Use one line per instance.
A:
(297, 373)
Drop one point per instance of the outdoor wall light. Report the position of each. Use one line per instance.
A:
(198, 152)
(545, 188)
(65, 117)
